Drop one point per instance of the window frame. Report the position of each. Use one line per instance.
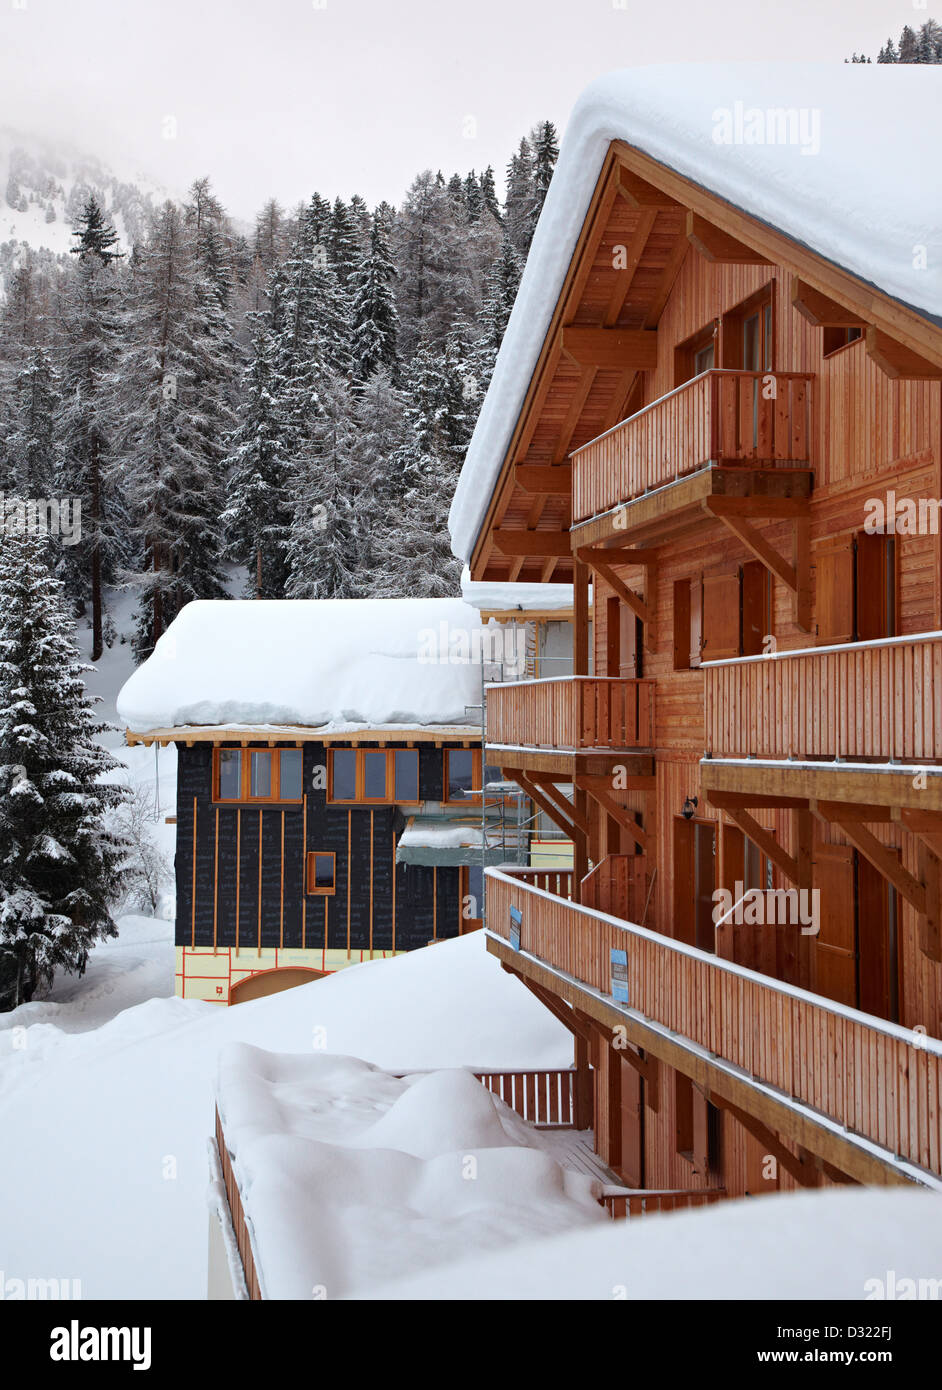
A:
(477, 775)
(310, 871)
(245, 764)
(359, 798)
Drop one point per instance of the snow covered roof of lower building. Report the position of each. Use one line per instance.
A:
(337, 665)
(836, 156)
(491, 597)
(351, 1176)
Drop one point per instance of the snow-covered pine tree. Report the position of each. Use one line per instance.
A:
(412, 554)
(268, 239)
(322, 543)
(60, 865)
(344, 243)
(375, 319)
(175, 380)
(95, 236)
(908, 45)
(489, 193)
(258, 514)
(92, 325)
(380, 433)
(518, 197)
(33, 458)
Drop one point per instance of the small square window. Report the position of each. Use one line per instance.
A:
(290, 779)
(230, 774)
(459, 774)
(320, 872)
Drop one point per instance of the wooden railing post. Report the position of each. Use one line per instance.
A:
(582, 1086)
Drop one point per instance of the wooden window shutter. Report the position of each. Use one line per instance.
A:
(835, 953)
(696, 620)
(834, 590)
(876, 587)
(612, 637)
(682, 630)
(720, 617)
(756, 622)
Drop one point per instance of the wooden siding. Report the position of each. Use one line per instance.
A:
(879, 1081)
(722, 417)
(572, 712)
(865, 700)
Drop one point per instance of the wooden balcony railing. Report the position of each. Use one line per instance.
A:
(620, 1202)
(866, 700)
(237, 1213)
(877, 1079)
(572, 712)
(558, 881)
(723, 417)
(542, 1097)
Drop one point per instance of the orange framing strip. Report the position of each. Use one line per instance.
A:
(216, 886)
(394, 890)
(372, 814)
(434, 902)
(260, 814)
(281, 940)
(349, 833)
(238, 873)
(193, 897)
(304, 878)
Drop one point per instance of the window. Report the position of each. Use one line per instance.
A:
(746, 334)
(696, 355)
(257, 774)
(373, 775)
(321, 866)
(462, 774)
(856, 588)
(688, 610)
(833, 339)
(406, 764)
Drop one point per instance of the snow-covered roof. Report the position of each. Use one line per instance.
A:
(860, 190)
(327, 664)
(503, 597)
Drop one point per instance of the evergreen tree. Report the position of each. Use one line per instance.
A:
(381, 432)
(33, 459)
(908, 45)
(258, 515)
(175, 417)
(95, 236)
(889, 53)
(92, 326)
(60, 866)
(322, 544)
(344, 243)
(375, 320)
(489, 193)
(545, 145)
(268, 239)
(518, 198)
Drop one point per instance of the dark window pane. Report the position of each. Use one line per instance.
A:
(323, 871)
(407, 774)
(230, 774)
(260, 774)
(290, 774)
(374, 776)
(460, 773)
(345, 774)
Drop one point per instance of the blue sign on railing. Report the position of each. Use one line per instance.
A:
(620, 976)
(516, 918)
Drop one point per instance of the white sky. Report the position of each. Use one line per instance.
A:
(279, 97)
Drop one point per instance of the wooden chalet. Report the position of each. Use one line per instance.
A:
(328, 785)
(716, 412)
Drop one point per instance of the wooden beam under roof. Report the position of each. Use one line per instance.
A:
(718, 246)
(546, 479)
(820, 310)
(611, 349)
(899, 363)
(638, 193)
(532, 543)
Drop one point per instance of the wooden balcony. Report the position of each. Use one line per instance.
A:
(575, 716)
(864, 1094)
(870, 713)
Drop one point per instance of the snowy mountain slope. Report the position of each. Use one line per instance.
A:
(43, 186)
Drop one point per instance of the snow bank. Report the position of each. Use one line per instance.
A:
(348, 1174)
(134, 1099)
(865, 198)
(836, 1244)
(332, 662)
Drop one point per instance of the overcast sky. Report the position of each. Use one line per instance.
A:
(279, 97)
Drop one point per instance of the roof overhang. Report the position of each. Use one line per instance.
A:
(266, 735)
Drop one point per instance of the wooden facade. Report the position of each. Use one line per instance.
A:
(739, 445)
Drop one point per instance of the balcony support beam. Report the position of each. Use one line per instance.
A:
(535, 793)
(601, 560)
(765, 842)
(803, 1172)
(883, 860)
(599, 788)
(797, 576)
(547, 785)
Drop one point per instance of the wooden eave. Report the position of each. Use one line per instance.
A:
(266, 736)
(659, 217)
(757, 780)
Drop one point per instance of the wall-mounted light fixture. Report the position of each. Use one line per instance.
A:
(689, 807)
